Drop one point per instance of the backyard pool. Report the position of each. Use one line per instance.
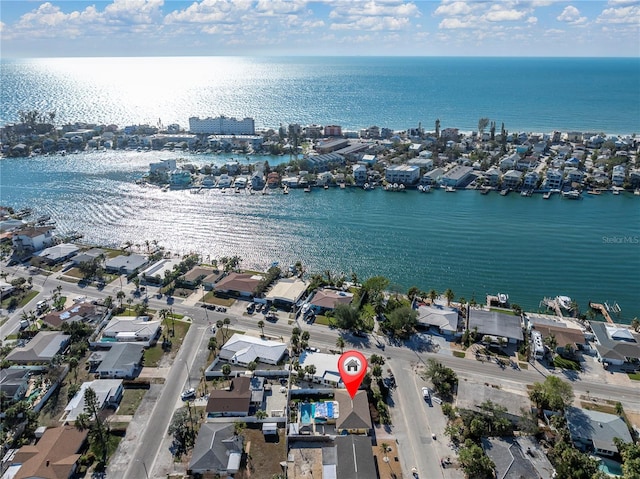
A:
(610, 467)
(306, 413)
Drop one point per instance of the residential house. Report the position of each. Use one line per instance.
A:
(234, 402)
(573, 175)
(615, 345)
(354, 416)
(368, 160)
(243, 349)
(511, 179)
(108, 394)
(218, 450)
(634, 177)
(404, 174)
(33, 238)
(209, 282)
(14, 383)
(87, 256)
(553, 179)
(155, 273)
(360, 174)
(564, 336)
(574, 136)
(41, 349)
(432, 177)
(239, 284)
(121, 361)
(491, 323)
(530, 181)
(286, 291)
(58, 253)
(326, 367)
(618, 175)
(132, 330)
(443, 318)
(54, 456)
(517, 457)
(84, 312)
(493, 176)
(125, 264)
(458, 176)
(595, 431)
(326, 299)
(509, 162)
(195, 275)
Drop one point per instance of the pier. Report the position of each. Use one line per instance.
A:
(553, 303)
(603, 311)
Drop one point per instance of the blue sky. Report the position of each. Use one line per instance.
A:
(332, 27)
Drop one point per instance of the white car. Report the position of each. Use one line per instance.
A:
(188, 394)
(425, 393)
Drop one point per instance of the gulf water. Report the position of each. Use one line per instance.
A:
(473, 244)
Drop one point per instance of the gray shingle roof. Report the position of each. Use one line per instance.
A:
(496, 324)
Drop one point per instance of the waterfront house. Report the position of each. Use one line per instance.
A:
(618, 175)
(14, 383)
(286, 291)
(360, 174)
(108, 394)
(195, 275)
(238, 284)
(553, 179)
(222, 125)
(574, 136)
(130, 329)
(179, 178)
(324, 178)
(595, 431)
(33, 238)
(217, 451)
(41, 349)
(509, 162)
(354, 416)
(87, 256)
(615, 344)
(58, 253)
(432, 177)
(125, 264)
(458, 176)
(257, 180)
(243, 349)
(530, 181)
(403, 174)
(54, 456)
(491, 323)
(273, 180)
(444, 318)
(573, 175)
(326, 299)
(155, 273)
(424, 161)
(121, 361)
(326, 367)
(493, 176)
(634, 177)
(511, 179)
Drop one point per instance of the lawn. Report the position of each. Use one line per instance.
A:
(459, 354)
(131, 399)
(503, 311)
(325, 320)
(634, 376)
(563, 363)
(153, 355)
(211, 298)
(22, 299)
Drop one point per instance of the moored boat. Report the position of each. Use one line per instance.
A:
(547, 195)
(571, 195)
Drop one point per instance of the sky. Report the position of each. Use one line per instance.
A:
(61, 28)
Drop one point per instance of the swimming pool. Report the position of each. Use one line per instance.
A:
(610, 467)
(306, 413)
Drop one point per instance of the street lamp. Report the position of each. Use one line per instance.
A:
(146, 473)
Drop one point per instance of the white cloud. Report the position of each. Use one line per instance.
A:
(453, 9)
(532, 20)
(505, 15)
(571, 15)
(373, 15)
(629, 14)
(455, 23)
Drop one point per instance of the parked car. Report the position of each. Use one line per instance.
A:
(188, 394)
(426, 394)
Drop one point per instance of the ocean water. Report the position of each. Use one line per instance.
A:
(474, 244)
(527, 94)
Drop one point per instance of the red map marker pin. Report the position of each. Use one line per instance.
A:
(352, 366)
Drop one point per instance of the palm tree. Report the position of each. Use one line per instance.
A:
(261, 326)
(551, 343)
(340, 344)
(108, 302)
(120, 295)
(227, 322)
(226, 370)
(261, 414)
(433, 295)
(449, 295)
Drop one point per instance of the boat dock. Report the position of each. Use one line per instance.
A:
(603, 310)
(554, 304)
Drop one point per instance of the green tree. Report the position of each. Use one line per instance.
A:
(252, 366)
(402, 321)
(90, 419)
(346, 317)
(183, 435)
(444, 379)
(630, 453)
(120, 295)
(474, 462)
(432, 295)
(261, 414)
(261, 326)
(226, 371)
(340, 344)
(73, 366)
(482, 125)
(553, 394)
(449, 295)
(213, 343)
(573, 464)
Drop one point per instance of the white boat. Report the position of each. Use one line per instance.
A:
(503, 298)
(366, 186)
(450, 189)
(307, 189)
(564, 302)
(571, 195)
(547, 195)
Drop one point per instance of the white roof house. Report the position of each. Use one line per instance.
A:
(158, 269)
(287, 290)
(326, 367)
(444, 318)
(108, 391)
(131, 329)
(125, 263)
(242, 349)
